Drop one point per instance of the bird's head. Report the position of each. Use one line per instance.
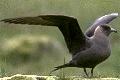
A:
(105, 29)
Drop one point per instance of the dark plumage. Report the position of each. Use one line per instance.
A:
(88, 49)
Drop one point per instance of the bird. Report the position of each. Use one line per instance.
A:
(88, 49)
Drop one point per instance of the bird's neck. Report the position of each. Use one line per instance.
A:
(99, 34)
(99, 37)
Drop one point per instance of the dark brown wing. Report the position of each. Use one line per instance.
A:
(100, 21)
(69, 27)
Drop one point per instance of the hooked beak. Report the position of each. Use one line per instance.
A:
(113, 30)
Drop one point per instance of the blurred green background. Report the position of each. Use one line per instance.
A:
(31, 49)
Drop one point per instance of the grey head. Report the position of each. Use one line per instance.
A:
(105, 29)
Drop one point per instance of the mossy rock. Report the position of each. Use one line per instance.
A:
(29, 77)
(35, 77)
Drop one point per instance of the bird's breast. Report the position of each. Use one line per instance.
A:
(103, 49)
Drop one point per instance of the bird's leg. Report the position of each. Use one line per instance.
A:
(92, 72)
(85, 72)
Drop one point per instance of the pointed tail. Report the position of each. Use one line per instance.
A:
(60, 67)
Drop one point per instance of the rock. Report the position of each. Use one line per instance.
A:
(35, 77)
(29, 77)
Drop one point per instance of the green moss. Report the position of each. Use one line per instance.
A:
(21, 78)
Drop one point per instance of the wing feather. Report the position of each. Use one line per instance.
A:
(69, 27)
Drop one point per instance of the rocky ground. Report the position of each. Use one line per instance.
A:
(35, 77)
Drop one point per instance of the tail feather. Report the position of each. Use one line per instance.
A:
(61, 66)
